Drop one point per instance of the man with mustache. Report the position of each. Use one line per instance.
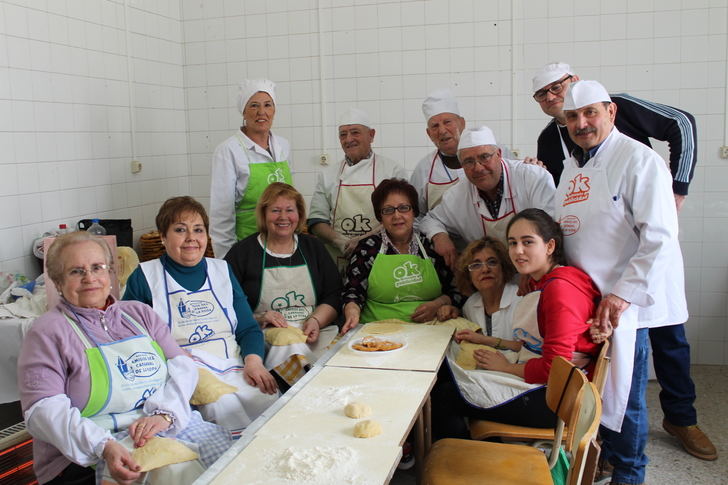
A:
(495, 190)
(615, 206)
(341, 207)
(639, 120)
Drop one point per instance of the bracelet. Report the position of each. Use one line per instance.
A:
(317, 320)
(498, 344)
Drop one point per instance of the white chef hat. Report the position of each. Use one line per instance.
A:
(440, 101)
(584, 93)
(550, 73)
(249, 87)
(475, 137)
(354, 116)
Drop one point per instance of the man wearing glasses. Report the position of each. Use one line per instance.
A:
(496, 189)
(637, 118)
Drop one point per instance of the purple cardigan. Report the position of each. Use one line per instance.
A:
(52, 360)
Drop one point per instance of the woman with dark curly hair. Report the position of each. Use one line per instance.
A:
(395, 274)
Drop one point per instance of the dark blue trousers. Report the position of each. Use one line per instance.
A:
(671, 357)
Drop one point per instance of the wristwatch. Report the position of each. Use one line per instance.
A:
(166, 417)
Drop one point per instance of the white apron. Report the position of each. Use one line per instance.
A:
(435, 190)
(296, 304)
(486, 389)
(135, 369)
(497, 228)
(583, 194)
(220, 354)
(353, 214)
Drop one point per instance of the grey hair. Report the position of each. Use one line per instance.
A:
(54, 260)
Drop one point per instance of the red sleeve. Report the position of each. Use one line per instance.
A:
(562, 314)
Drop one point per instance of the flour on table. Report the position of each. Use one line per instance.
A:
(320, 465)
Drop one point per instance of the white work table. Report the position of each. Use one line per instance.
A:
(312, 428)
(305, 438)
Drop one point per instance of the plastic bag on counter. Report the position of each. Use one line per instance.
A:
(23, 300)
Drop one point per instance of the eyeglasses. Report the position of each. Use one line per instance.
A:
(540, 95)
(97, 269)
(491, 263)
(482, 159)
(389, 210)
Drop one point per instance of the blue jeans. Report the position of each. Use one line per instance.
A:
(671, 356)
(626, 450)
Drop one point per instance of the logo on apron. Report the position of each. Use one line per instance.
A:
(292, 306)
(407, 273)
(531, 342)
(145, 395)
(569, 225)
(139, 364)
(202, 332)
(277, 176)
(356, 225)
(194, 308)
(579, 188)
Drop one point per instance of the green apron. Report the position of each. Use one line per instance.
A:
(398, 284)
(261, 176)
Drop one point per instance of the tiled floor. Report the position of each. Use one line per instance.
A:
(669, 464)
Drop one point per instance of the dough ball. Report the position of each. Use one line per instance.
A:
(465, 357)
(209, 388)
(357, 410)
(284, 335)
(367, 429)
(159, 452)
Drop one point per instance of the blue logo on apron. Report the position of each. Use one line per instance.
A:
(139, 364)
(202, 332)
(194, 308)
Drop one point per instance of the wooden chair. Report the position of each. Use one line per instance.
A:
(576, 402)
(482, 430)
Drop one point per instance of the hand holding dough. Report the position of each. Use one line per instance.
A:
(284, 336)
(357, 410)
(465, 357)
(367, 429)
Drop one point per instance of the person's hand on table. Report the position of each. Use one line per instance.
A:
(272, 318)
(119, 463)
(447, 312)
(444, 246)
(489, 360)
(255, 374)
(352, 313)
(311, 330)
(145, 428)
(426, 311)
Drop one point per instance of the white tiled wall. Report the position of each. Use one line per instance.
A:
(65, 116)
(64, 121)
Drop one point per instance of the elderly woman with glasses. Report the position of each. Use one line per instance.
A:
(485, 271)
(395, 273)
(98, 377)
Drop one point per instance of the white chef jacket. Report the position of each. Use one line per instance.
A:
(428, 171)
(461, 208)
(324, 197)
(502, 320)
(229, 179)
(646, 269)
